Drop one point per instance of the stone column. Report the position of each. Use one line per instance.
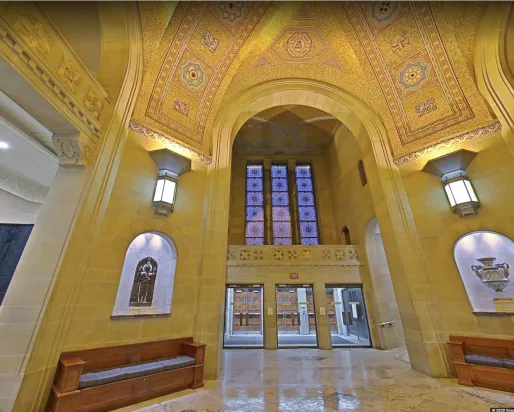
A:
(322, 323)
(338, 304)
(270, 321)
(229, 312)
(268, 230)
(293, 202)
(303, 311)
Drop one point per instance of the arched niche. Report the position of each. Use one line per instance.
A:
(147, 278)
(477, 245)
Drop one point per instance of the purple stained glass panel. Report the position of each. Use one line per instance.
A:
(303, 171)
(305, 199)
(281, 229)
(307, 213)
(279, 185)
(254, 185)
(281, 213)
(255, 229)
(278, 171)
(254, 214)
(282, 241)
(304, 184)
(308, 229)
(310, 241)
(254, 171)
(254, 199)
(255, 241)
(279, 199)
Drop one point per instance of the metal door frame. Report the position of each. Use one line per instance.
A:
(352, 286)
(244, 285)
(298, 286)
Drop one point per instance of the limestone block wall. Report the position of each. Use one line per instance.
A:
(352, 203)
(237, 196)
(492, 175)
(129, 214)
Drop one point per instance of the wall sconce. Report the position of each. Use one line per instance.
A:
(171, 166)
(457, 186)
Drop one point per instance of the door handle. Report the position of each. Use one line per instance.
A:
(292, 320)
(241, 319)
(298, 316)
(350, 318)
(246, 318)
(344, 318)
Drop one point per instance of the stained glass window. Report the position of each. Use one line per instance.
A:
(254, 205)
(306, 207)
(280, 214)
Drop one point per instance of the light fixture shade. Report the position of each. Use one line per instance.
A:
(461, 195)
(459, 190)
(164, 193)
(171, 166)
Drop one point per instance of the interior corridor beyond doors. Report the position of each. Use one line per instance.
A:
(243, 317)
(347, 316)
(296, 322)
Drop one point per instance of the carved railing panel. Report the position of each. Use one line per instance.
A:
(316, 256)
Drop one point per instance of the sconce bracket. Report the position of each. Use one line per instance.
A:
(167, 160)
(453, 162)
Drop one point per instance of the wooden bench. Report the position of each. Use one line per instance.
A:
(109, 378)
(484, 362)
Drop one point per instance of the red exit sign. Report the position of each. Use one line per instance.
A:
(293, 276)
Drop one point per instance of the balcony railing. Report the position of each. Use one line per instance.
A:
(326, 255)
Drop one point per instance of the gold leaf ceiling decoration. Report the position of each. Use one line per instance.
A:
(409, 62)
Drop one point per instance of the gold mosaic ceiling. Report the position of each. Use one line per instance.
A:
(287, 129)
(410, 62)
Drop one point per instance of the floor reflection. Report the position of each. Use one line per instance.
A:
(311, 380)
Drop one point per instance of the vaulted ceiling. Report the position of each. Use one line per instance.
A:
(410, 62)
(289, 129)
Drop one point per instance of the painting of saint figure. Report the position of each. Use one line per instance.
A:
(144, 283)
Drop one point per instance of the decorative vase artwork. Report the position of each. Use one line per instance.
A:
(495, 277)
(487, 284)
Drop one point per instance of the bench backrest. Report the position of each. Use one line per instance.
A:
(110, 357)
(500, 348)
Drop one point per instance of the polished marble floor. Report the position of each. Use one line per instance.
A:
(311, 380)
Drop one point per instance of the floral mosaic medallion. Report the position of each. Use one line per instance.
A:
(231, 10)
(299, 45)
(412, 75)
(382, 11)
(193, 75)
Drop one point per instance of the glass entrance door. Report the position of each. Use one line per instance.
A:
(296, 323)
(243, 317)
(347, 316)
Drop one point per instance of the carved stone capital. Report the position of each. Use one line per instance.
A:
(73, 150)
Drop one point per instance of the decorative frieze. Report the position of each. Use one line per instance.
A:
(29, 39)
(451, 143)
(271, 256)
(179, 148)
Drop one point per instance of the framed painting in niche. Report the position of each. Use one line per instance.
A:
(147, 278)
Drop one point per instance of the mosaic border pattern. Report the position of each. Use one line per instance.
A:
(467, 137)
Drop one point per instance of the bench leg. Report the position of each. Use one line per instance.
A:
(197, 378)
(464, 373)
(61, 402)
